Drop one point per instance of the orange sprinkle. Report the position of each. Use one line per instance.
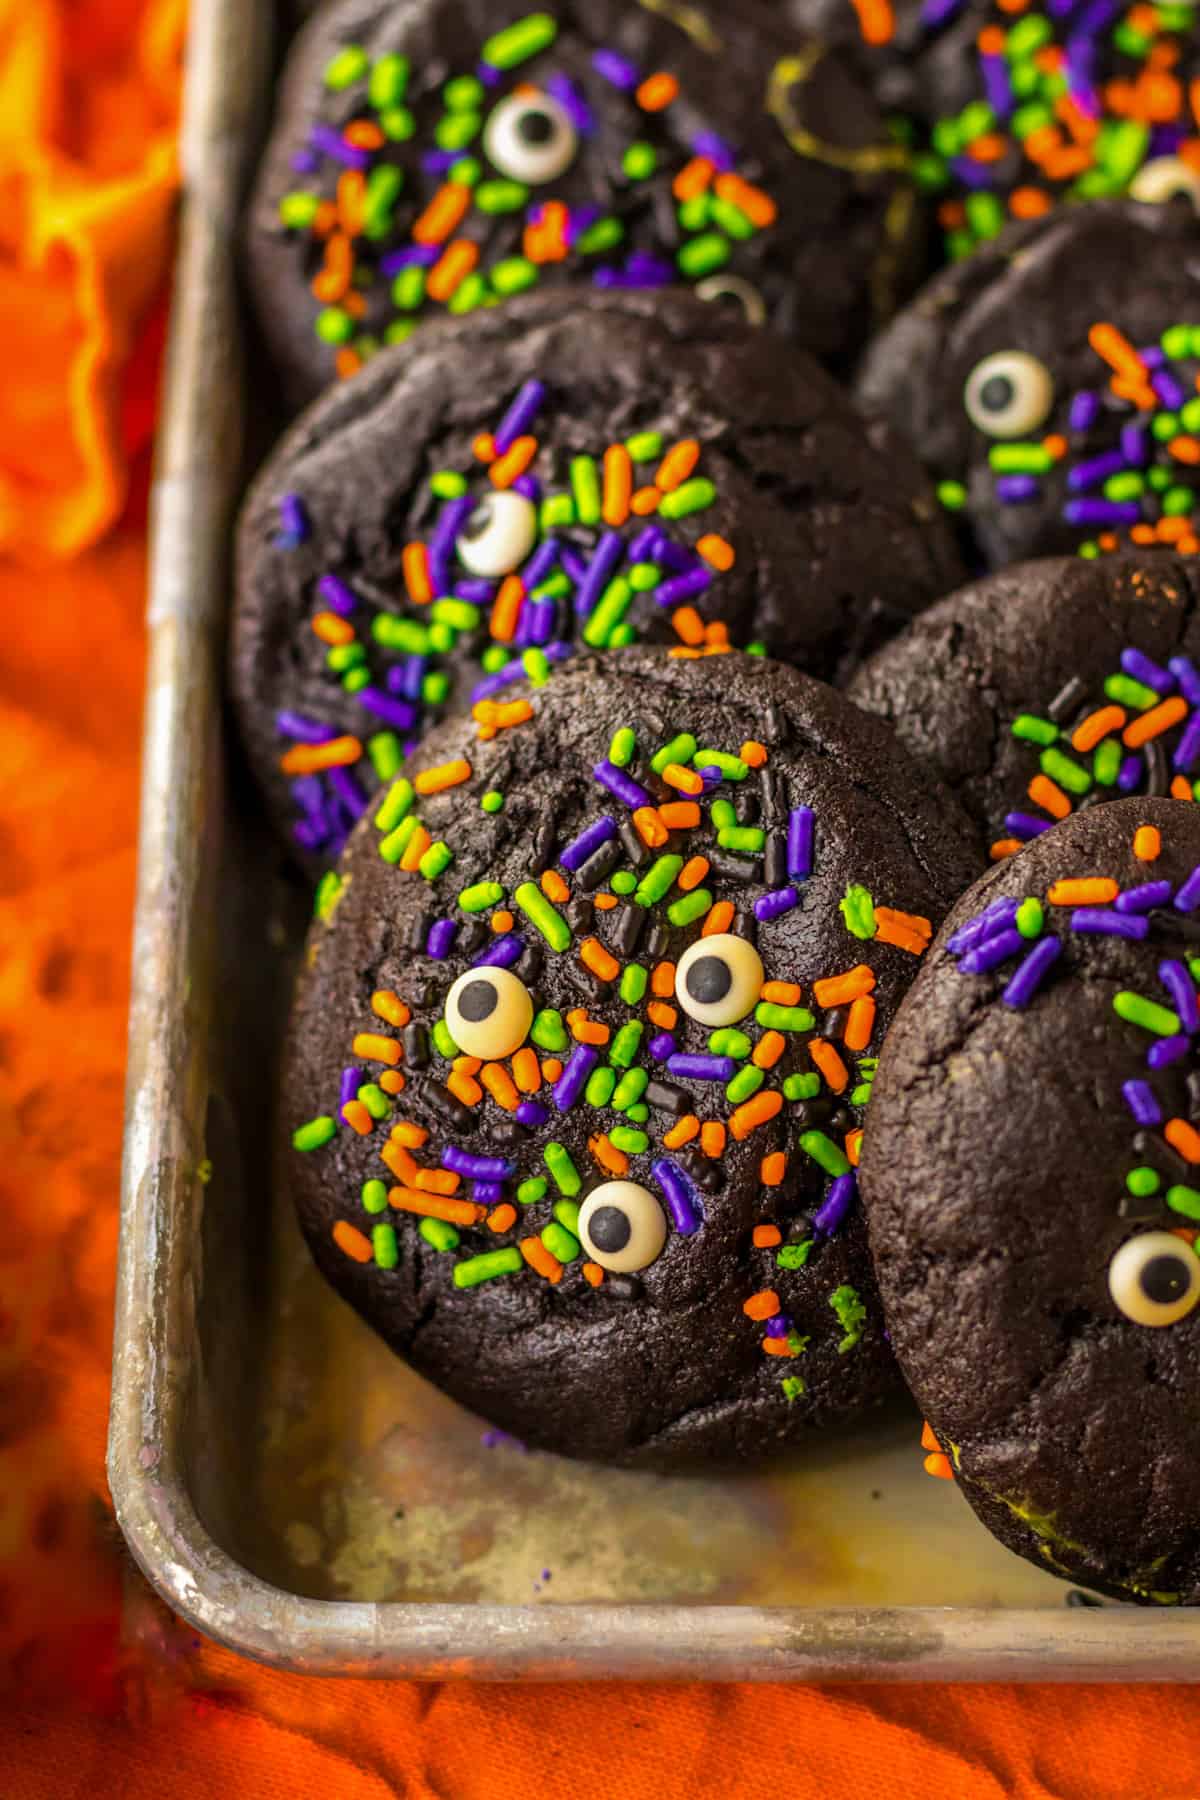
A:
(928, 1441)
(501, 715)
(682, 1132)
(585, 1030)
(406, 1132)
(389, 1006)
(830, 1064)
(332, 629)
(657, 91)
(1183, 1137)
(546, 242)
(451, 269)
(1097, 725)
(754, 1112)
(617, 485)
(415, 849)
(351, 198)
(467, 1065)
(392, 1081)
(443, 215)
(860, 1023)
(888, 931)
(1180, 788)
(853, 1144)
(1055, 445)
(501, 922)
(1062, 164)
(679, 815)
(662, 1015)
(765, 1237)
(593, 1274)
(753, 753)
(1171, 530)
(688, 624)
(991, 41)
(686, 780)
(718, 919)
(763, 1305)
(601, 962)
(414, 563)
(717, 551)
(363, 134)
(772, 1169)
(1152, 724)
(777, 1347)
(551, 1068)
(306, 759)
(758, 207)
(876, 21)
(516, 459)
(1147, 843)
(839, 990)
(325, 220)
(554, 887)
(540, 1260)
(445, 775)
(604, 902)
(694, 178)
(662, 979)
(677, 464)
(951, 214)
(1096, 890)
(496, 1079)
(716, 632)
(333, 279)
(712, 1138)
(989, 148)
(1043, 143)
(939, 1465)
(602, 1151)
(483, 448)
(650, 827)
(372, 1047)
(1046, 793)
(464, 1088)
(1185, 449)
(692, 873)
(352, 1242)
(1117, 351)
(645, 501)
(347, 363)
(506, 609)
(781, 993)
(768, 1050)
(436, 1206)
(358, 1118)
(525, 1070)
(502, 1217)
(1004, 847)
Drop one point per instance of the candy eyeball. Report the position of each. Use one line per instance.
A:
(1155, 1278)
(718, 979)
(488, 1013)
(622, 1227)
(1166, 178)
(530, 138)
(1008, 394)
(499, 534)
(727, 289)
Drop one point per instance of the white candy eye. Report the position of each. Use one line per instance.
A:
(530, 138)
(718, 979)
(488, 1013)
(1163, 179)
(725, 288)
(1155, 1278)
(499, 534)
(1008, 394)
(622, 1227)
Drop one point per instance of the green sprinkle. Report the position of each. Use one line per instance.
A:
(824, 1151)
(400, 634)
(513, 274)
(501, 196)
(605, 234)
(356, 680)
(375, 1100)
(976, 118)
(633, 983)
(861, 1094)
(456, 130)
(473, 1269)
(794, 1256)
(1067, 773)
(439, 1234)
(627, 1139)
(851, 1315)
(536, 665)
(397, 123)
(468, 295)
(374, 1196)
(747, 1081)
(461, 615)
(1027, 35)
(614, 603)
(1177, 502)
(531, 1191)
(492, 801)
(1184, 1200)
(599, 1089)
(689, 907)
(480, 896)
(793, 1388)
(802, 1087)
(435, 687)
(623, 881)
(693, 214)
(1124, 148)
(692, 497)
(731, 219)
(388, 83)
(436, 860)
(548, 1031)
(560, 1242)
(1020, 459)
(1128, 692)
(658, 880)
(517, 43)
(1031, 916)
(567, 1214)
(557, 1159)
(330, 889)
(348, 66)
(731, 767)
(1034, 730)
(1031, 118)
(630, 1089)
(729, 1041)
(585, 487)
(1175, 340)
(383, 1242)
(315, 1135)
(408, 289)
(858, 911)
(622, 747)
(644, 577)
(448, 484)
(680, 750)
(1126, 486)
(627, 1043)
(399, 331)
(559, 584)
(1142, 1181)
(749, 838)
(1106, 763)
(297, 211)
(383, 190)
(985, 215)
(540, 913)
(952, 495)
(495, 656)
(703, 255)
(1164, 426)
(464, 93)
(722, 813)
(443, 1042)
(638, 1113)
(640, 161)
(333, 326)
(645, 446)
(345, 656)
(624, 635)
(1147, 1013)
(783, 1018)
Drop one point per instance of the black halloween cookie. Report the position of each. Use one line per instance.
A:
(578, 1067)
(442, 155)
(1049, 687)
(1031, 1174)
(578, 471)
(1049, 383)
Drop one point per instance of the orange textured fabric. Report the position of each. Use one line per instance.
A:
(102, 1693)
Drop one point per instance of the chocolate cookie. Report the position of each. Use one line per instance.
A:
(578, 1068)
(1030, 1180)
(441, 155)
(1049, 382)
(579, 470)
(1049, 687)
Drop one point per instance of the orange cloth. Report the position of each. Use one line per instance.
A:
(101, 1692)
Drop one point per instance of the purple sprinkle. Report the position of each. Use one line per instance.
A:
(440, 939)
(487, 1193)
(294, 519)
(587, 843)
(1139, 1098)
(1152, 673)
(1178, 983)
(1103, 921)
(676, 556)
(477, 1168)
(348, 791)
(491, 77)
(332, 144)
(1130, 773)
(308, 731)
(420, 255)
(1186, 674)
(1168, 1050)
(1144, 898)
(1015, 490)
(701, 1068)
(626, 789)
(1028, 978)
(1188, 748)
(992, 919)
(537, 621)
(531, 1113)
(645, 545)
(1135, 446)
(412, 674)
(528, 486)
(680, 1197)
(649, 271)
(1025, 825)
(308, 794)
(779, 1326)
(397, 713)
(683, 587)
(1085, 408)
(599, 571)
(305, 162)
(579, 220)
(1188, 897)
(800, 842)
(971, 174)
(992, 952)
(1101, 512)
(522, 412)
(499, 678)
(574, 567)
(1152, 355)
(1168, 389)
(836, 1205)
(475, 589)
(540, 563)
(337, 595)
(436, 162)
(707, 143)
(570, 1084)
(936, 12)
(662, 1046)
(775, 904)
(352, 1080)
(997, 88)
(572, 102)
(615, 69)
(1090, 474)
(310, 834)
(502, 952)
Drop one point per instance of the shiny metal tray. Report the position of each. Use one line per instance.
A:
(284, 1484)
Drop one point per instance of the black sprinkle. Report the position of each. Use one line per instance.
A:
(775, 860)
(1175, 924)
(441, 1101)
(1138, 1208)
(599, 867)
(833, 1024)
(507, 1133)
(472, 933)
(745, 806)
(635, 850)
(529, 964)
(842, 1120)
(732, 868)
(812, 1112)
(1156, 768)
(1067, 700)
(579, 914)
(707, 1175)
(623, 1287)
(419, 993)
(630, 923)
(420, 930)
(773, 724)
(745, 925)
(666, 1098)
(1193, 1094)
(1152, 1148)
(416, 1046)
(544, 846)
(768, 783)
(657, 941)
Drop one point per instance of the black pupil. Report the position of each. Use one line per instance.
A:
(996, 394)
(709, 979)
(478, 522)
(535, 126)
(1164, 1279)
(477, 1001)
(609, 1229)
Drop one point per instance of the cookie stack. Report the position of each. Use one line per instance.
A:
(752, 819)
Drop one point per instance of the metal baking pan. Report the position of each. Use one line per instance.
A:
(287, 1486)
